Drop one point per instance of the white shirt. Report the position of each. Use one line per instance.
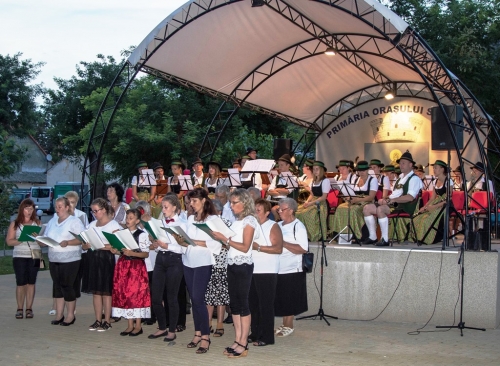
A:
(60, 232)
(257, 179)
(479, 185)
(144, 244)
(23, 250)
(82, 216)
(289, 262)
(198, 180)
(198, 256)
(284, 181)
(227, 213)
(373, 185)
(173, 246)
(414, 186)
(234, 256)
(325, 186)
(266, 262)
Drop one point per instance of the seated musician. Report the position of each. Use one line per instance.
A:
(198, 177)
(252, 153)
(405, 194)
(250, 179)
(141, 187)
(214, 178)
(174, 183)
(278, 187)
(428, 223)
(345, 174)
(457, 179)
(384, 184)
(306, 179)
(351, 211)
(308, 212)
(161, 188)
(390, 172)
(237, 164)
(478, 182)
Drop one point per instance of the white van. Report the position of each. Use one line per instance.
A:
(42, 196)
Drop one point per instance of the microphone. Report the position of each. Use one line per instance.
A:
(317, 205)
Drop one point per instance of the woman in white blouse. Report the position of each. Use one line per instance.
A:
(240, 267)
(198, 261)
(64, 260)
(291, 290)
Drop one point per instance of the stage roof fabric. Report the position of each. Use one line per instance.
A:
(271, 57)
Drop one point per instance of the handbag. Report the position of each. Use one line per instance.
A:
(307, 262)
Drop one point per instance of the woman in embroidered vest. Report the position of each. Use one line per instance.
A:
(131, 299)
(365, 189)
(240, 267)
(25, 265)
(308, 213)
(429, 223)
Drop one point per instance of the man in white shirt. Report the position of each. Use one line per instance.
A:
(405, 194)
(198, 179)
(222, 193)
(477, 179)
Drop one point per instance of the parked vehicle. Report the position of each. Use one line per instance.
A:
(60, 188)
(42, 196)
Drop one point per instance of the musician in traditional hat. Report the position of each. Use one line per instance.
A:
(478, 182)
(174, 182)
(406, 193)
(214, 177)
(161, 190)
(142, 188)
(307, 213)
(384, 184)
(198, 177)
(250, 179)
(351, 211)
(252, 153)
(428, 223)
(278, 187)
(390, 172)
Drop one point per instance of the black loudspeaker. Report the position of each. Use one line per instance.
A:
(441, 136)
(282, 147)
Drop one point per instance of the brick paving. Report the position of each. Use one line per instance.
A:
(37, 342)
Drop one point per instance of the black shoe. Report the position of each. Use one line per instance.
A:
(252, 338)
(57, 322)
(228, 320)
(64, 324)
(382, 243)
(152, 336)
(166, 339)
(123, 334)
(180, 328)
(132, 334)
(369, 241)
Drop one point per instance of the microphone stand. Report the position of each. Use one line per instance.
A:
(321, 313)
(350, 231)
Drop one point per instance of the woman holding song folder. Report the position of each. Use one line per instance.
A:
(101, 264)
(240, 267)
(198, 261)
(64, 260)
(168, 271)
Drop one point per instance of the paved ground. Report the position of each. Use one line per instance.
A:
(37, 342)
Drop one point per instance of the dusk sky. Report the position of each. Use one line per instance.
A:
(62, 33)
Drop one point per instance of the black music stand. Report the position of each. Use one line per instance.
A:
(186, 183)
(324, 262)
(350, 231)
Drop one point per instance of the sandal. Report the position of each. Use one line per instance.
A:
(219, 332)
(192, 344)
(19, 314)
(259, 343)
(229, 350)
(29, 314)
(243, 353)
(285, 332)
(200, 349)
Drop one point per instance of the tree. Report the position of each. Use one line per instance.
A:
(18, 109)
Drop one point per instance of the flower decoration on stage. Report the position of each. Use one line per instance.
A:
(397, 127)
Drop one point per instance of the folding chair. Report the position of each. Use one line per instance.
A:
(404, 219)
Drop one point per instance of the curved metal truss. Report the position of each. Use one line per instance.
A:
(437, 84)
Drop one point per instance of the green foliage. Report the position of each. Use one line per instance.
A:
(7, 205)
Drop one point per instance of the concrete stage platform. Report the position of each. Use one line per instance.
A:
(407, 284)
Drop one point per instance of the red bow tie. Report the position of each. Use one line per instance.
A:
(169, 220)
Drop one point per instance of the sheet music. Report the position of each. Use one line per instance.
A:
(345, 188)
(147, 178)
(258, 165)
(291, 180)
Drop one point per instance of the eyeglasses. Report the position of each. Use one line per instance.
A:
(96, 211)
(283, 209)
(235, 202)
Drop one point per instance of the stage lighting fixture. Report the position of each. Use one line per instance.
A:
(389, 95)
(256, 3)
(330, 51)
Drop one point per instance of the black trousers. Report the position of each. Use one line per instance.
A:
(64, 276)
(239, 278)
(182, 300)
(262, 294)
(167, 276)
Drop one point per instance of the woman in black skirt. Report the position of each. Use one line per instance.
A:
(101, 264)
(291, 290)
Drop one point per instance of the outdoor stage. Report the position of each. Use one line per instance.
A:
(407, 283)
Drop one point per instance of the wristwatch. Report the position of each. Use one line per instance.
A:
(258, 248)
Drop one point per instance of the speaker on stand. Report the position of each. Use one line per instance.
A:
(282, 147)
(441, 137)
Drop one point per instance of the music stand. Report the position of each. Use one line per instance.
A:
(321, 313)
(186, 183)
(347, 191)
(147, 178)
